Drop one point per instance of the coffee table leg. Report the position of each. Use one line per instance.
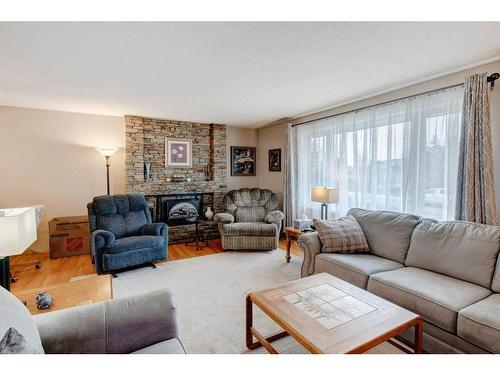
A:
(288, 245)
(251, 332)
(249, 323)
(419, 337)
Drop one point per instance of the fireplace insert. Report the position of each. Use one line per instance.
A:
(176, 209)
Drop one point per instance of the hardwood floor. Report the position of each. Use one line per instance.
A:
(61, 270)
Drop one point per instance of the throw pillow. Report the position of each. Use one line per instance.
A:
(341, 236)
(15, 343)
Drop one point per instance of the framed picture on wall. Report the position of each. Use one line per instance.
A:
(178, 153)
(275, 160)
(243, 161)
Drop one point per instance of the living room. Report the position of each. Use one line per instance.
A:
(250, 188)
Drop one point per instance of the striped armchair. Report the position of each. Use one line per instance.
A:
(251, 220)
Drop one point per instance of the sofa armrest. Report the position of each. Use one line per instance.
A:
(117, 327)
(311, 245)
(224, 218)
(274, 217)
(154, 229)
(100, 238)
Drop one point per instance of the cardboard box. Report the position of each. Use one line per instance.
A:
(69, 236)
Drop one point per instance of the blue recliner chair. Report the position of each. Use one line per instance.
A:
(122, 235)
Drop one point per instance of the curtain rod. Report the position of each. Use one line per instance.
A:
(490, 79)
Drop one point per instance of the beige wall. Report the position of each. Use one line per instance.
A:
(426, 86)
(271, 137)
(264, 139)
(242, 137)
(47, 157)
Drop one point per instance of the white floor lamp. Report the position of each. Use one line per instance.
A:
(107, 153)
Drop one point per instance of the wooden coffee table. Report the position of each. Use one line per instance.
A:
(328, 315)
(74, 293)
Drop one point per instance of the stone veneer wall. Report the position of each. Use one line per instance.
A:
(145, 142)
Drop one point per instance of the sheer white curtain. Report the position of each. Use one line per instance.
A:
(401, 156)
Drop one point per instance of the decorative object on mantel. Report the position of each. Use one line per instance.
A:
(324, 195)
(243, 161)
(178, 178)
(44, 300)
(107, 152)
(275, 160)
(209, 214)
(178, 153)
(147, 170)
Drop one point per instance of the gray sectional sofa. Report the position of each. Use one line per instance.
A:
(141, 324)
(448, 272)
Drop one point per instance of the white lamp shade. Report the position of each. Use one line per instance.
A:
(323, 194)
(110, 151)
(17, 230)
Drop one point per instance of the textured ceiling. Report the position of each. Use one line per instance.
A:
(240, 74)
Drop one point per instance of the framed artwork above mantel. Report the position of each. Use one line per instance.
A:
(178, 153)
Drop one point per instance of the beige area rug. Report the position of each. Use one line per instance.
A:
(210, 295)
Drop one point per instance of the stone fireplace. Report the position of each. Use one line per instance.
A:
(203, 184)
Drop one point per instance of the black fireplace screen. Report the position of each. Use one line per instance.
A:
(175, 210)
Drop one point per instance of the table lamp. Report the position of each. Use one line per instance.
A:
(17, 233)
(324, 195)
(107, 153)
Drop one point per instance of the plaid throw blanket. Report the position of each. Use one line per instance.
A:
(341, 236)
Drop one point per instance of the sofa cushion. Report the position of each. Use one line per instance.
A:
(387, 233)
(172, 346)
(251, 213)
(353, 268)
(436, 297)
(122, 225)
(14, 314)
(250, 229)
(119, 203)
(123, 215)
(466, 251)
(253, 197)
(341, 236)
(135, 243)
(479, 323)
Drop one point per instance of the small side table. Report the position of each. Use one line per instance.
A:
(196, 220)
(291, 234)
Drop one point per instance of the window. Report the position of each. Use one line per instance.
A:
(402, 156)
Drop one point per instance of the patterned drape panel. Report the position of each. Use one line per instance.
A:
(475, 187)
(288, 184)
